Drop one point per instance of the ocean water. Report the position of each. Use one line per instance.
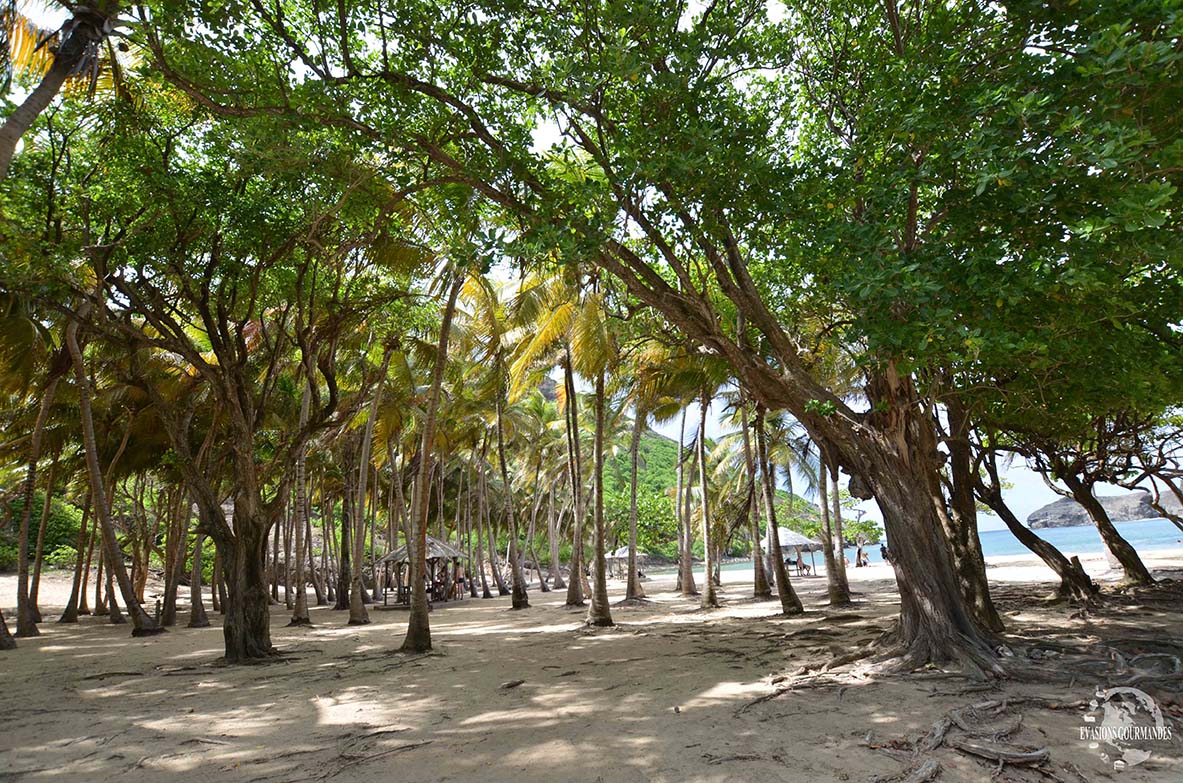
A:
(1081, 540)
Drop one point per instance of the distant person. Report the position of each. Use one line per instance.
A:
(864, 559)
(885, 553)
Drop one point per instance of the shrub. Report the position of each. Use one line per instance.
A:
(8, 557)
(60, 531)
(62, 557)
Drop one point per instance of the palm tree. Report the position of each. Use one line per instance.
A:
(489, 321)
(789, 602)
(572, 329)
(418, 639)
(77, 52)
(300, 610)
(143, 623)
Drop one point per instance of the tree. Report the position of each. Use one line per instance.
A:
(76, 50)
(790, 604)
(418, 639)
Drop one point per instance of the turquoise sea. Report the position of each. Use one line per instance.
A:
(1082, 540)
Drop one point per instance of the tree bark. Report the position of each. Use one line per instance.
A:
(344, 575)
(19, 122)
(180, 545)
(689, 588)
(246, 607)
(482, 504)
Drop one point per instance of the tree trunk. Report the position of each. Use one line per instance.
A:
(532, 541)
(246, 625)
(78, 590)
(327, 555)
(1074, 582)
(482, 501)
(839, 535)
(168, 615)
(300, 610)
(26, 620)
(760, 586)
(491, 540)
(317, 576)
(710, 598)
(288, 521)
(19, 122)
(418, 638)
(357, 608)
(686, 556)
(575, 583)
(962, 520)
(344, 577)
(197, 615)
(520, 599)
(6, 640)
(599, 613)
(143, 624)
(633, 590)
(556, 570)
(113, 614)
(837, 585)
(1135, 570)
(83, 607)
(39, 552)
(790, 604)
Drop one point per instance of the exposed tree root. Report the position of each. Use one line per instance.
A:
(976, 730)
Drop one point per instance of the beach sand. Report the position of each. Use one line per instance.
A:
(661, 697)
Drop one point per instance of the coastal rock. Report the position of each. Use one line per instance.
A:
(1066, 512)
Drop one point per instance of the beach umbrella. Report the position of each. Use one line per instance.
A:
(792, 538)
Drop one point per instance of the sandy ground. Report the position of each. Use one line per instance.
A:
(664, 696)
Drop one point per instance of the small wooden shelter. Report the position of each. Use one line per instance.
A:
(792, 539)
(446, 576)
